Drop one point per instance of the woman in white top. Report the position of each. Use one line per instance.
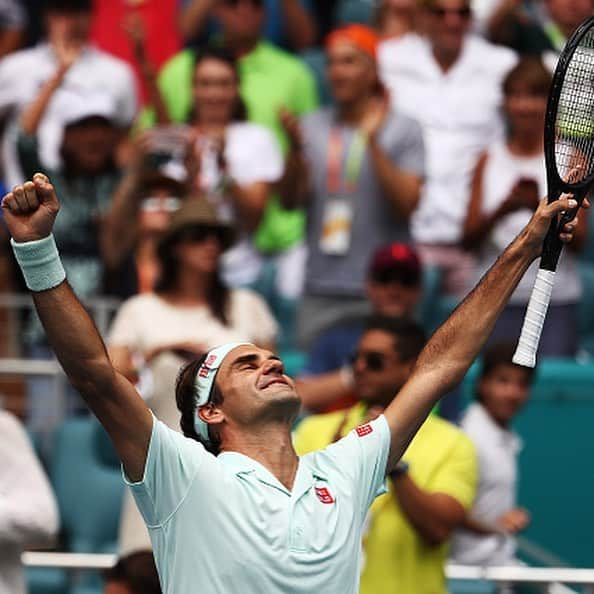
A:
(234, 162)
(508, 182)
(191, 310)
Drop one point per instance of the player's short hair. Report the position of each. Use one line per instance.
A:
(67, 6)
(137, 571)
(409, 337)
(531, 74)
(185, 398)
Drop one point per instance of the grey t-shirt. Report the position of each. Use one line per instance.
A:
(374, 220)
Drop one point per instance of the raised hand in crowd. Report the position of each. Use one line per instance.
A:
(375, 116)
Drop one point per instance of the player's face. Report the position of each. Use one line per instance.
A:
(199, 250)
(256, 389)
(525, 110)
(504, 391)
(447, 22)
(378, 370)
(351, 73)
(215, 91)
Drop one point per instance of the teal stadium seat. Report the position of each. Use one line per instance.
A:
(315, 58)
(86, 476)
(355, 11)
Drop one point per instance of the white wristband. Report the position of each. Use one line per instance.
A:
(40, 263)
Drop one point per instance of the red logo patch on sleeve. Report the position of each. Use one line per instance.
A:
(364, 430)
(324, 495)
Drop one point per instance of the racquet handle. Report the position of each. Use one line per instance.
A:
(533, 321)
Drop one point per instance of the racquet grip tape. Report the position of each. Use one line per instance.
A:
(536, 312)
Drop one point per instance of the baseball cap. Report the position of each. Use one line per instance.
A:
(396, 262)
(76, 107)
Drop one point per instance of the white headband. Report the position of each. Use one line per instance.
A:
(205, 378)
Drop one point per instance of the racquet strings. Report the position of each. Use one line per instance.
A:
(574, 124)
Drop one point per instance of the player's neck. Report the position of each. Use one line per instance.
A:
(269, 445)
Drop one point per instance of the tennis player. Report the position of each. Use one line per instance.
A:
(255, 518)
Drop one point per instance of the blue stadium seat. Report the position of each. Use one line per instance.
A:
(86, 477)
(315, 58)
(355, 11)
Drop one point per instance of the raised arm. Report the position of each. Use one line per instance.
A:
(29, 212)
(451, 350)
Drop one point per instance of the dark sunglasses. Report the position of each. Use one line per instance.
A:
(464, 13)
(406, 278)
(373, 360)
(199, 234)
(234, 3)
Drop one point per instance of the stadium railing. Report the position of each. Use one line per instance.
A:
(546, 576)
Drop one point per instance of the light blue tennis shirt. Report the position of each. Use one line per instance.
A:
(226, 525)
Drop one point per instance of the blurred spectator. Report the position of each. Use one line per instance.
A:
(28, 510)
(431, 488)
(138, 216)
(393, 288)
(288, 23)
(395, 18)
(236, 162)
(450, 82)
(357, 167)
(154, 21)
(191, 311)
(63, 65)
(270, 79)
(133, 574)
(88, 134)
(501, 391)
(508, 183)
(543, 31)
(13, 20)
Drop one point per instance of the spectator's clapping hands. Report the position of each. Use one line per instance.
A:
(372, 121)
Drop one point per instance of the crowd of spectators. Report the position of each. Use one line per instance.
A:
(225, 188)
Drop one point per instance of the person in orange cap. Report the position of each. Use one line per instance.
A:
(357, 167)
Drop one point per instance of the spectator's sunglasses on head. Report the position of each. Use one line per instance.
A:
(374, 361)
(234, 3)
(464, 12)
(157, 203)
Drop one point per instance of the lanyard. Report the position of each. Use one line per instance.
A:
(353, 161)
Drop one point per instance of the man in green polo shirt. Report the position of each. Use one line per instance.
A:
(271, 80)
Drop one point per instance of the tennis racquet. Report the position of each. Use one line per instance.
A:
(569, 158)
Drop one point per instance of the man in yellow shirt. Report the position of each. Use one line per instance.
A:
(432, 487)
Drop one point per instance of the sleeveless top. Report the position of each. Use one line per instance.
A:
(502, 171)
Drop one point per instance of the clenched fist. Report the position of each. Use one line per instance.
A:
(30, 209)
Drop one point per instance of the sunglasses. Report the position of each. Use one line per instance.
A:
(234, 3)
(199, 234)
(373, 360)
(156, 203)
(406, 278)
(464, 12)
